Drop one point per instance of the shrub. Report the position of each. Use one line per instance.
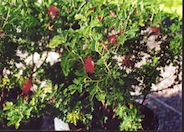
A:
(99, 44)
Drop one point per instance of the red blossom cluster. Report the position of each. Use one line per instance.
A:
(52, 11)
(89, 65)
(27, 86)
(155, 31)
(113, 39)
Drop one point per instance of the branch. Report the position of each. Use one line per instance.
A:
(169, 87)
(6, 19)
(41, 64)
(33, 63)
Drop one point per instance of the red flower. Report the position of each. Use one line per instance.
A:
(27, 86)
(89, 65)
(155, 30)
(113, 39)
(52, 11)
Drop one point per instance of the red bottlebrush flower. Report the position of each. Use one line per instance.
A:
(155, 30)
(89, 65)
(113, 39)
(27, 86)
(52, 11)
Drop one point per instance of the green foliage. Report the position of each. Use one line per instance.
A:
(172, 6)
(131, 118)
(16, 113)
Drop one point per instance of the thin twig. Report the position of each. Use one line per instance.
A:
(144, 98)
(164, 79)
(169, 87)
(6, 19)
(33, 62)
(41, 64)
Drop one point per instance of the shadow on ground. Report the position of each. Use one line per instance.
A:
(168, 110)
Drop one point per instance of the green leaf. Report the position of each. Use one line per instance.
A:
(80, 17)
(103, 59)
(155, 60)
(101, 97)
(11, 122)
(93, 92)
(73, 88)
(17, 124)
(132, 32)
(65, 64)
(9, 105)
(53, 92)
(95, 23)
(56, 41)
(80, 88)
(118, 24)
(28, 112)
(15, 120)
(100, 62)
(77, 81)
(84, 30)
(73, 117)
(121, 111)
(32, 102)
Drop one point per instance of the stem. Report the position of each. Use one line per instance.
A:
(144, 98)
(73, 3)
(78, 56)
(108, 70)
(94, 81)
(33, 62)
(151, 19)
(107, 67)
(7, 16)
(169, 87)
(125, 26)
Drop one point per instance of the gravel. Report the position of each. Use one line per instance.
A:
(168, 119)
